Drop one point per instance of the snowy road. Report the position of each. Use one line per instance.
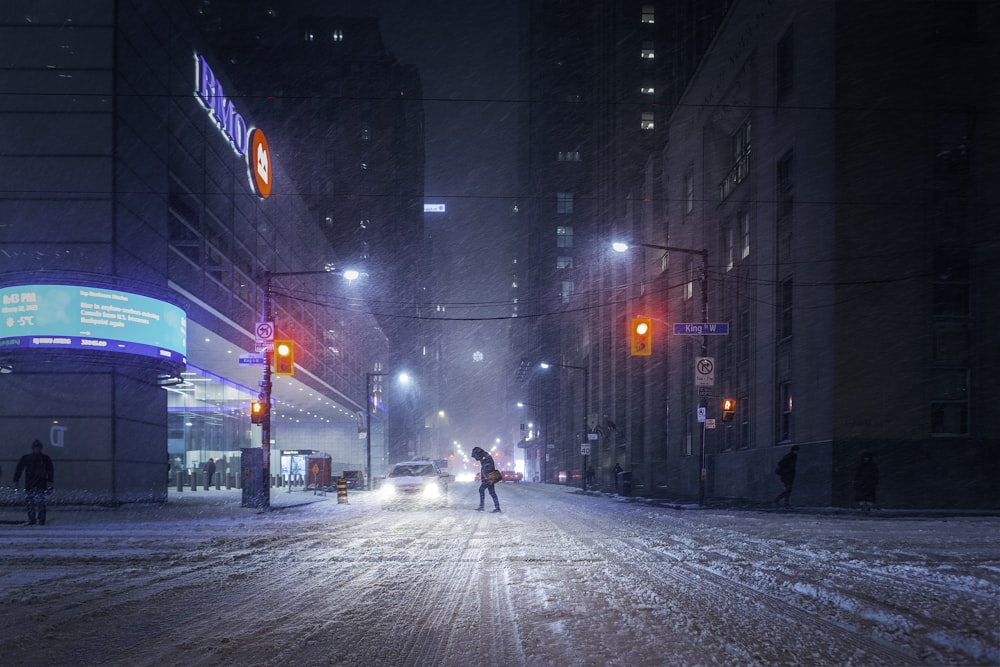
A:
(557, 579)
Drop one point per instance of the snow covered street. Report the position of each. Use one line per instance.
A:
(558, 578)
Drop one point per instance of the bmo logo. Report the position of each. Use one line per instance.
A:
(249, 143)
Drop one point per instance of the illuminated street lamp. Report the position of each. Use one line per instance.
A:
(620, 246)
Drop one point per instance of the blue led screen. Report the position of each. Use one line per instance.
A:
(91, 318)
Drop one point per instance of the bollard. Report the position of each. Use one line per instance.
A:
(194, 480)
(341, 491)
(180, 480)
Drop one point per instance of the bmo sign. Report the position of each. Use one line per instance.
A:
(247, 142)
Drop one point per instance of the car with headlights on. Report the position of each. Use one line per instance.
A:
(415, 484)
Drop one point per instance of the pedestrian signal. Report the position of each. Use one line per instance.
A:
(257, 411)
(642, 335)
(284, 357)
(728, 409)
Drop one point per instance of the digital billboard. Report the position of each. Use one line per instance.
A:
(91, 318)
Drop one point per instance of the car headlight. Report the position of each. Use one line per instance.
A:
(432, 491)
(388, 491)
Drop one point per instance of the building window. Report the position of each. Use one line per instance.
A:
(727, 239)
(648, 51)
(744, 220)
(785, 309)
(784, 411)
(564, 202)
(688, 288)
(785, 186)
(784, 74)
(569, 156)
(951, 147)
(951, 283)
(647, 90)
(688, 192)
(564, 262)
(647, 120)
(745, 336)
(338, 35)
(566, 290)
(648, 14)
(564, 237)
(740, 152)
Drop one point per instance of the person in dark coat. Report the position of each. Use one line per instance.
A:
(209, 473)
(486, 466)
(866, 482)
(38, 476)
(786, 473)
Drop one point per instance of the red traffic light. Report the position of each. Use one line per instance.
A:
(284, 357)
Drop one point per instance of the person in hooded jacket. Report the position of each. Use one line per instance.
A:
(38, 475)
(486, 466)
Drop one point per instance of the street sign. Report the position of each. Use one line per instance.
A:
(701, 415)
(704, 372)
(709, 423)
(264, 332)
(263, 347)
(701, 329)
(585, 449)
(252, 359)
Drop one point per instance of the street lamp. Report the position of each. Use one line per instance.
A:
(267, 319)
(586, 398)
(620, 246)
(405, 379)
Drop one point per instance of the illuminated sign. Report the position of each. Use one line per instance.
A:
(91, 318)
(247, 142)
(434, 208)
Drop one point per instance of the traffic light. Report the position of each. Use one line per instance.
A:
(728, 409)
(642, 335)
(284, 357)
(257, 412)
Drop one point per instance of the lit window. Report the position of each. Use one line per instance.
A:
(564, 262)
(647, 120)
(647, 90)
(745, 234)
(338, 35)
(569, 156)
(730, 261)
(648, 52)
(564, 237)
(564, 202)
(566, 290)
(648, 14)
(309, 36)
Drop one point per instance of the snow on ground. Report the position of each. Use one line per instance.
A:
(558, 578)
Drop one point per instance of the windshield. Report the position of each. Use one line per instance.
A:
(416, 470)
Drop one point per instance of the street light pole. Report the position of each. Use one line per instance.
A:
(703, 283)
(267, 316)
(368, 429)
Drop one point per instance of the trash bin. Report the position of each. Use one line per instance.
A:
(625, 482)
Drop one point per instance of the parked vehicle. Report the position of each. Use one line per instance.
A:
(355, 479)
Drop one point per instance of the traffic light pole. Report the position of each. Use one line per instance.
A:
(265, 397)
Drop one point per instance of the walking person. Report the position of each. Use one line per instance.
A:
(38, 475)
(209, 473)
(487, 472)
(786, 473)
(866, 482)
(618, 471)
